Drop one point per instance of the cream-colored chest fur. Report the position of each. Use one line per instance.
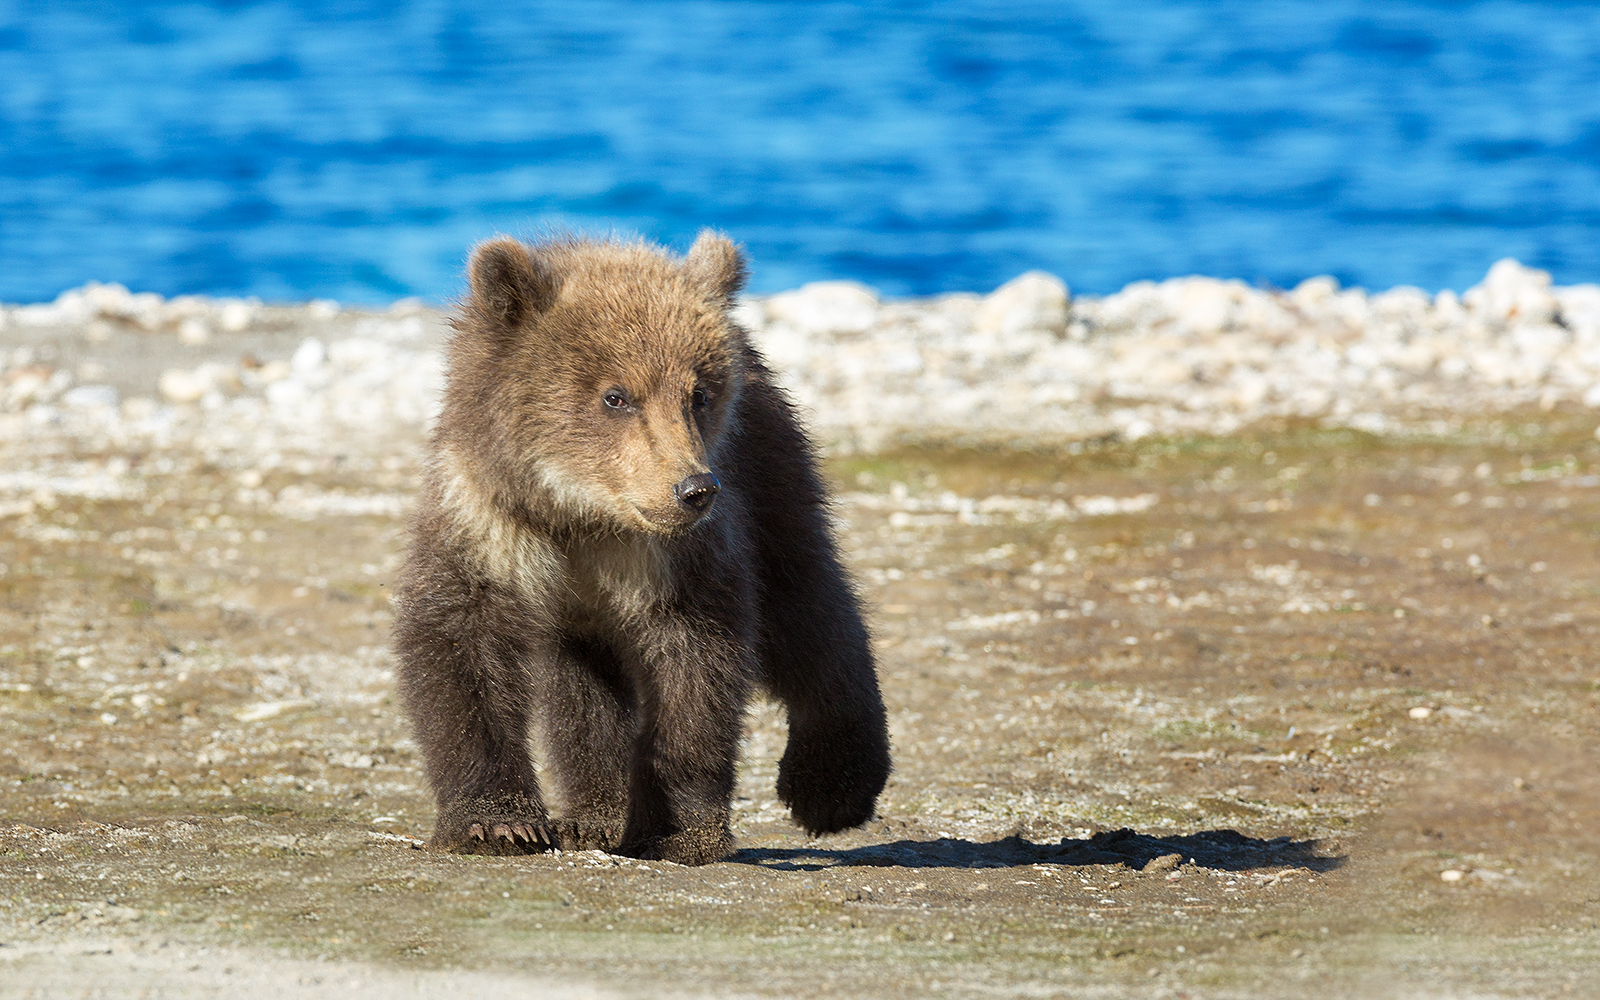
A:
(615, 576)
(618, 576)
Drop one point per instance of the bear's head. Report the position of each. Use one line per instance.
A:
(593, 381)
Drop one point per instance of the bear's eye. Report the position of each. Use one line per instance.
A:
(699, 400)
(616, 399)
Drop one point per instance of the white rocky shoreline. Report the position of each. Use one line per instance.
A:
(1027, 365)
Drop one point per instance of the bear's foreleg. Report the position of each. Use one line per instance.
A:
(816, 657)
(587, 727)
(465, 689)
(692, 693)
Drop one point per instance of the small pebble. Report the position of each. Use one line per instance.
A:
(1420, 712)
(193, 332)
(1452, 875)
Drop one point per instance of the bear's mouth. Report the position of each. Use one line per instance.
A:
(673, 521)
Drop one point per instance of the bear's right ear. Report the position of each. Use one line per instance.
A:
(508, 283)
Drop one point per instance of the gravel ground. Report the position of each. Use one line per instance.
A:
(1250, 698)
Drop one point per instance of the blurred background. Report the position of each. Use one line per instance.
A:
(355, 150)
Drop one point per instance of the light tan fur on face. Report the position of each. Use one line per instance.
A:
(665, 449)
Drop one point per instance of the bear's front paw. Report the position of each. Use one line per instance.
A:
(588, 833)
(501, 825)
(830, 779)
(699, 846)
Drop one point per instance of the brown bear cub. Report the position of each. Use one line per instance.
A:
(620, 532)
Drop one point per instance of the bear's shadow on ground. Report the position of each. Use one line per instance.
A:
(1227, 850)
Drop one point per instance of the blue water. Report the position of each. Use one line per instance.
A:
(354, 150)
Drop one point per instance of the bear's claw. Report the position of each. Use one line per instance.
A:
(574, 834)
(511, 825)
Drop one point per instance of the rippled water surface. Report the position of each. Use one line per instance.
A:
(355, 150)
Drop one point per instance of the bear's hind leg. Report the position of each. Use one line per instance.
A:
(586, 734)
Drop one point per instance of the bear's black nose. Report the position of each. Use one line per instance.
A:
(698, 491)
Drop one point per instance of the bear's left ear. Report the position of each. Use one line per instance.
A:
(716, 266)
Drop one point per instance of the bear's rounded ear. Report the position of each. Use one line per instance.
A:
(716, 266)
(508, 283)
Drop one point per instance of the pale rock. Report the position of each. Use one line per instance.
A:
(955, 315)
(1205, 306)
(194, 332)
(1034, 302)
(1364, 356)
(1405, 304)
(1187, 356)
(1265, 314)
(1351, 307)
(1580, 311)
(1514, 295)
(826, 308)
(88, 397)
(1135, 428)
(25, 386)
(900, 358)
(1422, 354)
(308, 357)
(357, 355)
(113, 301)
(1447, 307)
(1138, 306)
(180, 385)
(749, 314)
(1250, 389)
(235, 316)
(184, 307)
(288, 396)
(138, 408)
(109, 299)
(41, 415)
(1313, 292)
(1542, 341)
(273, 371)
(71, 308)
(75, 306)
(1170, 371)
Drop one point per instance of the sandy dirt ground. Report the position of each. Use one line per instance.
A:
(1293, 712)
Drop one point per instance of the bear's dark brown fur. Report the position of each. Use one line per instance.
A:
(621, 530)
